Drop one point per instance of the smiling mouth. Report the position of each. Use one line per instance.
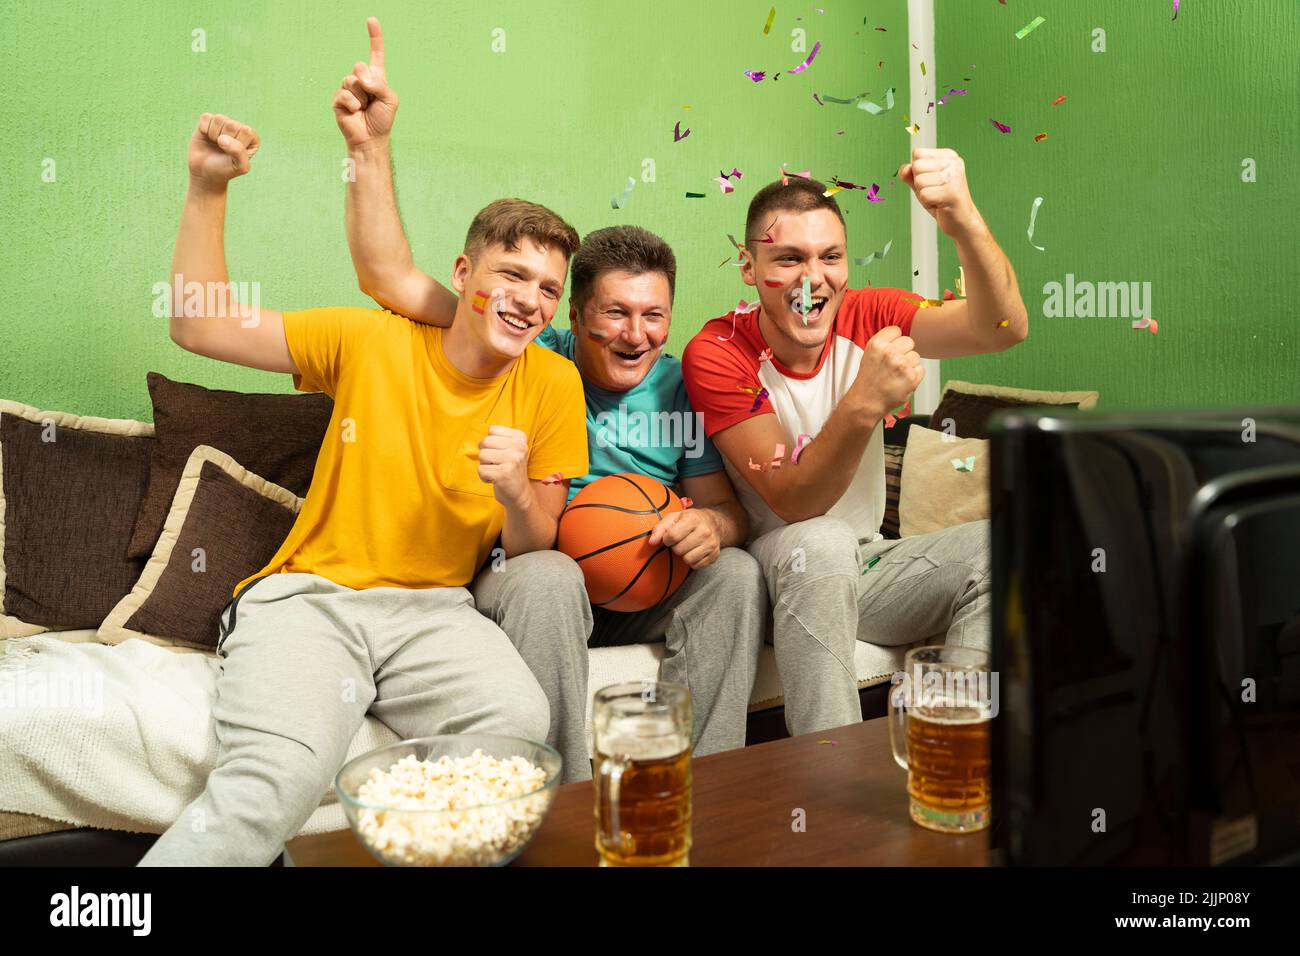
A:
(817, 303)
(516, 325)
(632, 356)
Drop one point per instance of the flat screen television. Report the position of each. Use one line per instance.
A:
(1146, 634)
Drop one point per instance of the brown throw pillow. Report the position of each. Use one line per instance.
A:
(893, 478)
(275, 436)
(969, 405)
(935, 493)
(225, 523)
(69, 490)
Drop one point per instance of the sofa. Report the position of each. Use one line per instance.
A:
(94, 784)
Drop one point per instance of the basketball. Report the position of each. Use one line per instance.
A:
(605, 529)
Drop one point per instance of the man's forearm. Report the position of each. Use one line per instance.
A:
(729, 521)
(380, 252)
(992, 293)
(200, 255)
(527, 527)
(827, 466)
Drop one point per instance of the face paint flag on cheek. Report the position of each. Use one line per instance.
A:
(479, 302)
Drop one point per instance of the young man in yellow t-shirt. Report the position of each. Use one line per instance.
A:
(439, 443)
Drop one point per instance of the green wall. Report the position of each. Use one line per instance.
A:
(1141, 179)
(1140, 174)
(582, 94)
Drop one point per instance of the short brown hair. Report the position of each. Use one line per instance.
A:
(506, 221)
(799, 195)
(620, 249)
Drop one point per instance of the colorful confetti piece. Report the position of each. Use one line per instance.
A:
(1033, 217)
(805, 300)
(778, 456)
(764, 356)
(767, 27)
(1059, 99)
(1003, 127)
(758, 400)
(1175, 11)
(873, 194)
(785, 176)
(864, 260)
(1029, 27)
(1040, 137)
(695, 195)
(618, 201)
(808, 62)
(819, 102)
(875, 109)
(799, 446)
(968, 465)
(755, 75)
(871, 563)
(1151, 325)
(678, 135)
(944, 99)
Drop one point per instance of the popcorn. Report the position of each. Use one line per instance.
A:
(477, 827)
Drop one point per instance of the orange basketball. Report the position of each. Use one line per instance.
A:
(605, 529)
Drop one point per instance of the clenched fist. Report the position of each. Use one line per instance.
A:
(365, 105)
(890, 370)
(938, 177)
(503, 463)
(221, 149)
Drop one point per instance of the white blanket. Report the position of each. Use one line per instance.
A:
(117, 737)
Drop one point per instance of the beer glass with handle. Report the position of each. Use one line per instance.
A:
(641, 734)
(939, 719)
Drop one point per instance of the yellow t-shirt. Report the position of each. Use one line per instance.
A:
(395, 500)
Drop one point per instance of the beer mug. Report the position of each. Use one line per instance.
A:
(939, 720)
(641, 734)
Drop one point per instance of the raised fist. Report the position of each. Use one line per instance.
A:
(221, 149)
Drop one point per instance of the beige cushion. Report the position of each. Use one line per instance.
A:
(1086, 399)
(933, 494)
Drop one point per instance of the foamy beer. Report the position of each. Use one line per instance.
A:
(642, 739)
(939, 718)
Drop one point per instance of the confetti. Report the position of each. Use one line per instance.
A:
(554, 479)
(767, 27)
(678, 135)
(1001, 126)
(1004, 323)
(695, 195)
(805, 300)
(1033, 217)
(764, 356)
(808, 62)
(617, 202)
(755, 75)
(819, 102)
(1151, 325)
(785, 176)
(845, 184)
(1029, 28)
(778, 456)
(876, 110)
(873, 193)
(754, 467)
(832, 190)
(871, 564)
(742, 307)
(758, 400)
(967, 465)
(864, 260)
(1175, 11)
(1059, 99)
(723, 184)
(960, 281)
(799, 446)
(1040, 137)
(944, 99)
(687, 502)
(881, 30)
(923, 68)
(913, 129)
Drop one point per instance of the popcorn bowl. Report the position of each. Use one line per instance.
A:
(436, 801)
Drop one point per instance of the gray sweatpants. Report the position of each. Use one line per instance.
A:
(306, 660)
(931, 587)
(712, 628)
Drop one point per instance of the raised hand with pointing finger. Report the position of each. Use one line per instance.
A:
(365, 105)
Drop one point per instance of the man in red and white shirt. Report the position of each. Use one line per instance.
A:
(831, 364)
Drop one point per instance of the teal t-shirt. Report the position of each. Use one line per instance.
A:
(648, 430)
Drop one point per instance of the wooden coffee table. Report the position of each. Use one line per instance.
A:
(853, 795)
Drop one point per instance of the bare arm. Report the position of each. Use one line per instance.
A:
(206, 316)
(970, 326)
(889, 373)
(365, 107)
